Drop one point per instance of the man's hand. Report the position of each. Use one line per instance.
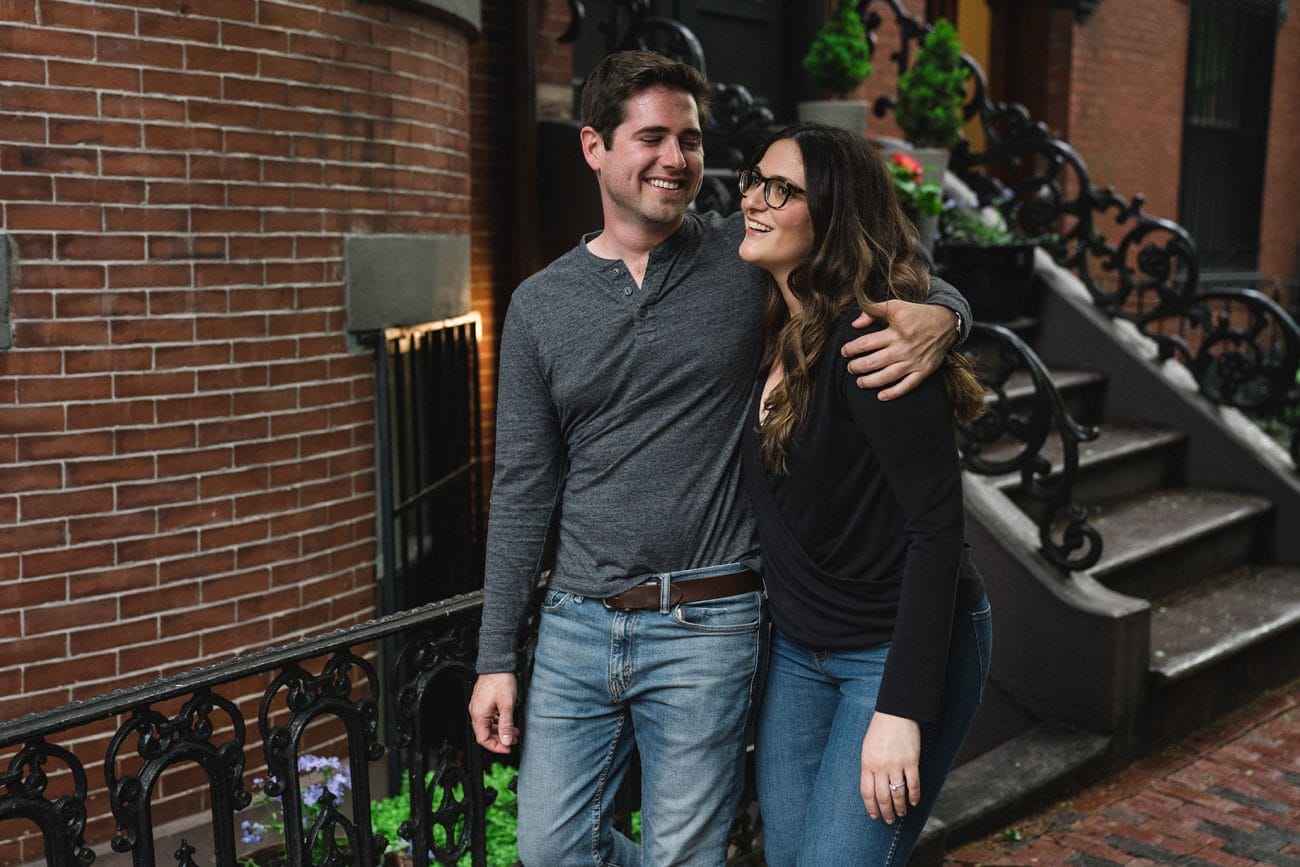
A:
(492, 711)
(908, 350)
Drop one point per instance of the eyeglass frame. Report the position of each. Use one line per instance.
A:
(755, 177)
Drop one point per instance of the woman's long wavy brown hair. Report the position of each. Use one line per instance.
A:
(863, 250)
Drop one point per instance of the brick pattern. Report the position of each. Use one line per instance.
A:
(494, 228)
(1127, 73)
(554, 58)
(1279, 255)
(186, 432)
(1229, 795)
(1127, 79)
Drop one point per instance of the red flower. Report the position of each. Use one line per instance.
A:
(902, 160)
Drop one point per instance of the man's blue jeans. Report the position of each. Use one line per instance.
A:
(679, 683)
(808, 751)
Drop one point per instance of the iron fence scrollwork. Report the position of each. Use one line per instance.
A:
(1067, 539)
(162, 742)
(62, 821)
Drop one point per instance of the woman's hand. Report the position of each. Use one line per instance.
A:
(891, 774)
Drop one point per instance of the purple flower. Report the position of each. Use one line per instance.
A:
(338, 783)
(311, 794)
(252, 831)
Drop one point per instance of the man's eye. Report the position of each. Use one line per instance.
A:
(692, 144)
(651, 140)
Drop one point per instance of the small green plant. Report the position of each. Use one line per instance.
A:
(839, 58)
(327, 774)
(388, 814)
(960, 226)
(932, 91)
(916, 195)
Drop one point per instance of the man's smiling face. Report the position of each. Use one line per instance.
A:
(653, 167)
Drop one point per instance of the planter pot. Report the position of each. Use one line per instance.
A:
(927, 228)
(934, 162)
(267, 856)
(995, 280)
(849, 114)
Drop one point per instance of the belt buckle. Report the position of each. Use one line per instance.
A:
(658, 579)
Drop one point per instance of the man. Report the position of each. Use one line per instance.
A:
(625, 367)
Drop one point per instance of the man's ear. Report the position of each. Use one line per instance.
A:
(593, 147)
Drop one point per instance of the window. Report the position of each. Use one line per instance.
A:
(1225, 128)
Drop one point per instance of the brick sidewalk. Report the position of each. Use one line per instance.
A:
(1227, 795)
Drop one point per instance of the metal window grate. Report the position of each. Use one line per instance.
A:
(1225, 128)
(430, 462)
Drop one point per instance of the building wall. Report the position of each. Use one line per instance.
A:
(186, 430)
(1279, 257)
(1126, 98)
(554, 61)
(1127, 89)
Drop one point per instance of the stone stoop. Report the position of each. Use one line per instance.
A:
(1029, 771)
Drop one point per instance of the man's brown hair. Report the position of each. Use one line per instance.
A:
(623, 74)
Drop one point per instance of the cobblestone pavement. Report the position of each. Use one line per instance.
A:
(1227, 795)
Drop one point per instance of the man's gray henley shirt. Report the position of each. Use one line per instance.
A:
(619, 412)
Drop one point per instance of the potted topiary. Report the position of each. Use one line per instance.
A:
(931, 94)
(988, 263)
(838, 60)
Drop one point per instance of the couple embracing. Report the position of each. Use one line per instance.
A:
(754, 491)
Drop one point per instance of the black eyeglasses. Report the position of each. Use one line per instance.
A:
(776, 191)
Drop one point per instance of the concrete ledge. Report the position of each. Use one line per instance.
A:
(1009, 781)
(468, 13)
(395, 280)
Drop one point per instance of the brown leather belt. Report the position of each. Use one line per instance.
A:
(646, 594)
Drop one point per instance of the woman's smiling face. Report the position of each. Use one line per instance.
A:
(777, 239)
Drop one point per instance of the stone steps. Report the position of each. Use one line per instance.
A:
(1032, 769)
(1161, 542)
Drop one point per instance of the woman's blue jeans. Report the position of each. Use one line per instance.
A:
(815, 712)
(678, 682)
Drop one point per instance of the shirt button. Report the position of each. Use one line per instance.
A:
(627, 290)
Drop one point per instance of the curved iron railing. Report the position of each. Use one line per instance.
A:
(1145, 271)
(1027, 419)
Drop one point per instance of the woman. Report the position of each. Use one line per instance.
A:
(881, 645)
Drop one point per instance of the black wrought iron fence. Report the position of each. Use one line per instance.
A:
(429, 460)
(194, 720)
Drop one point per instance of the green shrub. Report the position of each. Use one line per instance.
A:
(960, 226)
(388, 814)
(839, 58)
(932, 91)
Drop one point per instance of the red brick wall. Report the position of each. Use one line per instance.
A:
(1280, 223)
(494, 156)
(1126, 99)
(186, 436)
(555, 58)
(1126, 115)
